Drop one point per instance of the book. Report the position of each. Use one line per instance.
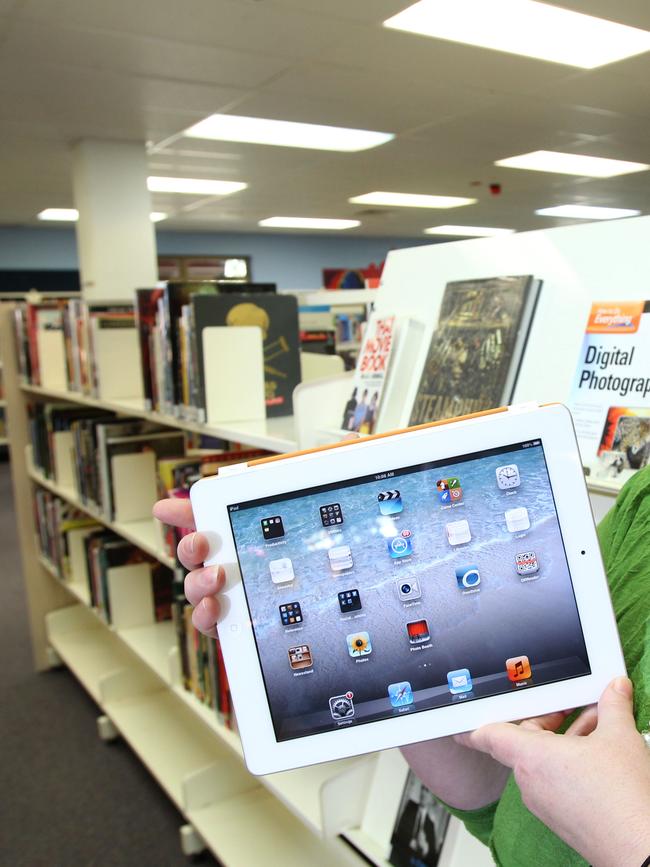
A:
(146, 313)
(362, 408)
(277, 317)
(610, 393)
(420, 827)
(476, 348)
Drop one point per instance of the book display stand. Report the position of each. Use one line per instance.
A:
(131, 668)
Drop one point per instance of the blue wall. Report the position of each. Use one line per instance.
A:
(291, 261)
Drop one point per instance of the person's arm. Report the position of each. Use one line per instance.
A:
(591, 786)
(459, 776)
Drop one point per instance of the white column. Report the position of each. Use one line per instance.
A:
(116, 241)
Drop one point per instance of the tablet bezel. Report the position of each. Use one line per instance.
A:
(553, 425)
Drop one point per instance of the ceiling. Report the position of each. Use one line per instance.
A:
(147, 69)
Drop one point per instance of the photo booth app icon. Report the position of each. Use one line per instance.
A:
(390, 502)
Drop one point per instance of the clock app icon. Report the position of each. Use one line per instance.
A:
(508, 477)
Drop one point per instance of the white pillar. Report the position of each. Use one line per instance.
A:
(116, 241)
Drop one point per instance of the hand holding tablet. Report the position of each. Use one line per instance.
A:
(409, 586)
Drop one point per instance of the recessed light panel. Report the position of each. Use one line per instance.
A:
(194, 186)
(468, 231)
(307, 223)
(572, 164)
(68, 215)
(525, 27)
(410, 200)
(157, 216)
(284, 133)
(587, 212)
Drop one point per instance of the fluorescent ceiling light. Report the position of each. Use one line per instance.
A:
(410, 200)
(60, 214)
(524, 27)
(587, 212)
(194, 186)
(307, 223)
(71, 215)
(572, 164)
(468, 231)
(284, 133)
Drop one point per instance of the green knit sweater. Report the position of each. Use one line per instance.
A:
(515, 837)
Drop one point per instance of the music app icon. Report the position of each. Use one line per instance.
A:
(518, 668)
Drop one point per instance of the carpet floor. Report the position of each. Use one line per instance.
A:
(67, 799)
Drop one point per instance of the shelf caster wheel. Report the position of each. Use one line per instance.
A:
(105, 729)
(191, 841)
(53, 658)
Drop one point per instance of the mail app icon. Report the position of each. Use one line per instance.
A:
(459, 681)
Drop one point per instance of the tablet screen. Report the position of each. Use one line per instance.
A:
(409, 590)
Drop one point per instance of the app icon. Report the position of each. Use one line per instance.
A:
(272, 528)
(390, 502)
(517, 520)
(508, 476)
(408, 588)
(400, 546)
(468, 577)
(349, 600)
(331, 515)
(418, 631)
(400, 694)
(340, 558)
(518, 668)
(456, 495)
(458, 532)
(359, 644)
(342, 706)
(459, 681)
(300, 656)
(281, 570)
(290, 613)
(527, 563)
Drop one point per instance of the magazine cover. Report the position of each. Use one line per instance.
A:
(610, 396)
(477, 347)
(420, 827)
(362, 408)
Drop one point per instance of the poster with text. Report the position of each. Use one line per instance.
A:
(610, 396)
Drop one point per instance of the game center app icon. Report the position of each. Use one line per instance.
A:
(359, 644)
(400, 546)
(508, 477)
(349, 600)
(449, 490)
(517, 520)
(458, 533)
(518, 668)
(468, 577)
(342, 706)
(290, 613)
(390, 502)
(281, 570)
(418, 632)
(459, 681)
(400, 694)
(340, 558)
(526, 563)
(331, 516)
(300, 657)
(272, 528)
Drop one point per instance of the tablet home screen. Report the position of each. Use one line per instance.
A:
(409, 590)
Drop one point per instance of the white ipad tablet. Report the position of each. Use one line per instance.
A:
(409, 586)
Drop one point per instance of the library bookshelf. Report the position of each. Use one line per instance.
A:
(133, 674)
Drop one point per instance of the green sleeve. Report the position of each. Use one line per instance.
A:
(479, 823)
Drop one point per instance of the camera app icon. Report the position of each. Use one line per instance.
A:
(408, 588)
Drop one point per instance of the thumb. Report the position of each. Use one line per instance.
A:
(505, 742)
(615, 705)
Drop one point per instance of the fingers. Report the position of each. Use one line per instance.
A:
(193, 550)
(550, 722)
(503, 741)
(585, 724)
(615, 705)
(205, 616)
(177, 513)
(202, 583)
